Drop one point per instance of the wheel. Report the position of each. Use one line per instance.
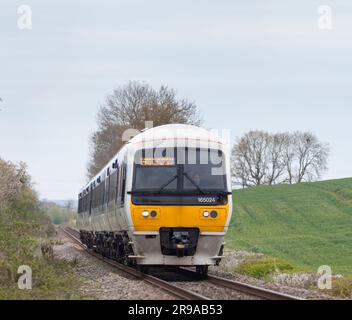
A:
(202, 271)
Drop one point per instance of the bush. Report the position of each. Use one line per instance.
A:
(23, 228)
(50, 281)
(341, 287)
(262, 267)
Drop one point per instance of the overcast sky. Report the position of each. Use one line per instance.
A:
(247, 65)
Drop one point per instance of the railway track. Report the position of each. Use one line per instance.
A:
(247, 289)
(154, 281)
(182, 293)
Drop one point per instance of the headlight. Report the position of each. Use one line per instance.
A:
(145, 214)
(213, 214)
(206, 214)
(153, 214)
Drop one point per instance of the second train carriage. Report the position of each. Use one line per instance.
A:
(164, 199)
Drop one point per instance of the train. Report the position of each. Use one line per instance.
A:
(165, 199)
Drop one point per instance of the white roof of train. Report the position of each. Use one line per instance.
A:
(167, 131)
(179, 131)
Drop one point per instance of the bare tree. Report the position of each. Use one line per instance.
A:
(289, 157)
(250, 158)
(238, 171)
(311, 156)
(276, 164)
(131, 106)
(263, 158)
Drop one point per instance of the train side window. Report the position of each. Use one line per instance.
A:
(117, 179)
(119, 185)
(80, 204)
(93, 199)
(123, 187)
(98, 195)
(90, 194)
(95, 196)
(112, 186)
(102, 193)
(84, 203)
(107, 189)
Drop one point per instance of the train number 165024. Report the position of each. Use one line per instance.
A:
(207, 200)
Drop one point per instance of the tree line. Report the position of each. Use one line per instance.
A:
(258, 157)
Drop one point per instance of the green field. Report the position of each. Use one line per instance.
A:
(308, 224)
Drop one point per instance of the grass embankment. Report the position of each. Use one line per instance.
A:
(308, 224)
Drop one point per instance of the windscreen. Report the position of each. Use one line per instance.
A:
(179, 170)
(154, 177)
(205, 176)
(174, 176)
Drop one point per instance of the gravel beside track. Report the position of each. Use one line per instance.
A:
(298, 292)
(103, 282)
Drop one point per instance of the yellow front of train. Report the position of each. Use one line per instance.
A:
(180, 200)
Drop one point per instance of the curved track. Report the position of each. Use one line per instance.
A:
(165, 286)
(181, 293)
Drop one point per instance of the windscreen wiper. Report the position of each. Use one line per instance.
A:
(167, 183)
(193, 182)
(158, 191)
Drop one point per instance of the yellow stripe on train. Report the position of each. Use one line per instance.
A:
(178, 216)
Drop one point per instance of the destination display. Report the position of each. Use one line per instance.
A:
(158, 161)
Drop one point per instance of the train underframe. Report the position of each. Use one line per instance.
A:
(168, 247)
(112, 245)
